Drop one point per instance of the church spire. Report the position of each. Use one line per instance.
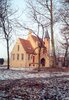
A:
(46, 35)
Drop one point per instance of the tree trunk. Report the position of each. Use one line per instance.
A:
(8, 61)
(39, 58)
(65, 57)
(52, 38)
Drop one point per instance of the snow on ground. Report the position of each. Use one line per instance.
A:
(18, 74)
(31, 88)
(27, 73)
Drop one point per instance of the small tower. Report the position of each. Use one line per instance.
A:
(47, 45)
(46, 35)
(47, 41)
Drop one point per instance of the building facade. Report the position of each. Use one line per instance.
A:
(26, 53)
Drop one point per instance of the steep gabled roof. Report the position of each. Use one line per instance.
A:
(39, 40)
(27, 46)
(36, 38)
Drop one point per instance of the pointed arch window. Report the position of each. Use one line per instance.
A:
(17, 56)
(22, 56)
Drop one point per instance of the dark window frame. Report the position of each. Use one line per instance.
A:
(17, 56)
(22, 56)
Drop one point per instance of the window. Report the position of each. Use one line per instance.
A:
(22, 56)
(18, 47)
(13, 56)
(28, 56)
(17, 56)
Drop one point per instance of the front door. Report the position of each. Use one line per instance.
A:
(43, 62)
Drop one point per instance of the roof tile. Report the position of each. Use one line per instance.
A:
(27, 46)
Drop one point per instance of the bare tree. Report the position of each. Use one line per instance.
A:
(64, 13)
(52, 34)
(64, 16)
(65, 45)
(5, 25)
(41, 12)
